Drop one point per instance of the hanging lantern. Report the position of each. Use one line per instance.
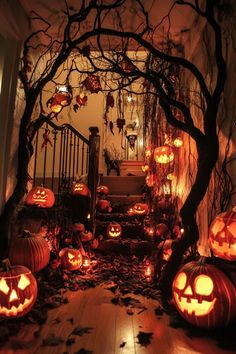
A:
(92, 83)
(178, 142)
(163, 154)
(61, 98)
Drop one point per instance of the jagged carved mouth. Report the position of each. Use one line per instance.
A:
(13, 311)
(224, 247)
(194, 306)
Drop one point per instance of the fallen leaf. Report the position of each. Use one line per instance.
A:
(79, 331)
(52, 340)
(144, 338)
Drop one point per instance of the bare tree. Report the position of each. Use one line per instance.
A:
(77, 40)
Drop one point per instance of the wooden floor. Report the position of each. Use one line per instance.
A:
(111, 325)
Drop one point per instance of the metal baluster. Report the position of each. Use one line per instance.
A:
(82, 165)
(71, 144)
(66, 154)
(87, 160)
(35, 158)
(73, 177)
(60, 165)
(53, 157)
(45, 156)
(77, 160)
(63, 159)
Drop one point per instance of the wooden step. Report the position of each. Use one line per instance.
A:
(124, 185)
(126, 200)
(128, 247)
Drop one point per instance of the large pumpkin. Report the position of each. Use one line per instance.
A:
(114, 230)
(30, 251)
(79, 188)
(78, 227)
(140, 209)
(40, 196)
(222, 235)
(70, 258)
(163, 154)
(18, 290)
(204, 295)
(86, 236)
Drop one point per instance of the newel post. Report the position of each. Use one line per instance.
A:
(94, 145)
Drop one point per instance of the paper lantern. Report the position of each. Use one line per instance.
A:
(222, 235)
(41, 197)
(163, 154)
(204, 295)
(18, 290)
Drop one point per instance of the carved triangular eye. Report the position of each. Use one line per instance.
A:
(23, 282)
(4, 287)
(70, 255)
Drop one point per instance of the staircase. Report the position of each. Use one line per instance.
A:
(124, 191)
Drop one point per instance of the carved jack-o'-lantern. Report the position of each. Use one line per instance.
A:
(79, 188)
(103, 190)
(163, 154)
(61, 98)
(18, 290)
(71, 258)
(204, 295)
(40, 196)
(140, 209)
(114, 230)
(222, 235)
(104, 206)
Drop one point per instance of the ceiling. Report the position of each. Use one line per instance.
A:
(16, 17)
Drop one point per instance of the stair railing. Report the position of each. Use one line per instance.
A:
(63, 154)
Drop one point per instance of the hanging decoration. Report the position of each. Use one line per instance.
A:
(81, 100)
(46, 139)
(120, 124)
(92, 83)
(61, 98)
(109, 104)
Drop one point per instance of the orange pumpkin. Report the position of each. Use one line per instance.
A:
(102, 190)
(79, 188)
(86, 236)
(222, 235)
(140, 209)
(163, 154)
(40, 196)
(30, 251)
(78, 227)
(18, 290)
(70, 258)
(104, 206)
(114, 230)
(204, 295)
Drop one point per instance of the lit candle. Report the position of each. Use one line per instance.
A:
(86, 263)
(148, 273)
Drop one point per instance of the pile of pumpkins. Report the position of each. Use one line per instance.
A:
(202, 293)
(29, 254)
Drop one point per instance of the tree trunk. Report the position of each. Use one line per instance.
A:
(207, 157)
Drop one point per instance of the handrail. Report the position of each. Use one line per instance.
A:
(63, 126)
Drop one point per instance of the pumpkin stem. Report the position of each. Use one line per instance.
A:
(202, 260)
(6, 264)
(26, 233)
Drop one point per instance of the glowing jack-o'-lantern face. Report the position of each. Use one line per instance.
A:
(40, 196)
(71, 258)
(18, 291)
(103, 190)
(79, 188)
(114, 230)
(222, 235)
(163, 154)
(204, 295)
(140, 209)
